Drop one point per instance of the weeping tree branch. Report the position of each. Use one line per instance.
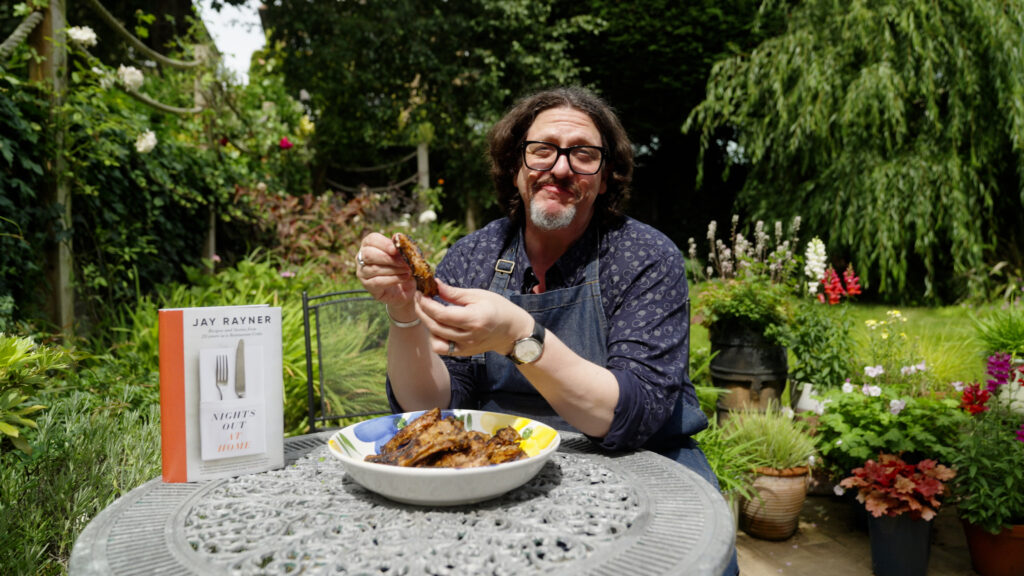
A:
(138, 44)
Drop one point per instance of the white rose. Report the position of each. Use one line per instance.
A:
(145, 142)
(428, 216)
(130, 76)
(82, 35)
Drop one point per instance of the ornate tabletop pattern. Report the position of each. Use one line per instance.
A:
(584, 513)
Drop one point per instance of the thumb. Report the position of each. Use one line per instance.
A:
(452, 294)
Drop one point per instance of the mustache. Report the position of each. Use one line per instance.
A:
(564, 183)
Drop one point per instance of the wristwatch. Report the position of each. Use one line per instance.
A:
(529, 349)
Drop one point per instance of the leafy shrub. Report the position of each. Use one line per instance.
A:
(857, 425)
(1002, 330)
(26, 370)
(87, 453)
(818, 338)
(761, 307)
(25, 219)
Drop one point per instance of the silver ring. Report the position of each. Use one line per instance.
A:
(451, 348)
(359, 259)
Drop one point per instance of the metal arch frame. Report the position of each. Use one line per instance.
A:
(311, 306)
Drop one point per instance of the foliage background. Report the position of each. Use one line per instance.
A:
(894, 127)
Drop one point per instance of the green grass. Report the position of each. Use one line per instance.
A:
(945, 338)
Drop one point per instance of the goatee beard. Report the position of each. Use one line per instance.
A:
(549, 222)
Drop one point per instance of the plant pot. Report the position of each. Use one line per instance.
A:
(996, 554)
(747, 366)
(900, 545)
(774, 512)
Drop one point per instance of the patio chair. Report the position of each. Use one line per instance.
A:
(346, 362)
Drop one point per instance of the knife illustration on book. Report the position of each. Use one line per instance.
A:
(240, 369)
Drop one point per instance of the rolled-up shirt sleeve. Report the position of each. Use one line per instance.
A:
(648, 338)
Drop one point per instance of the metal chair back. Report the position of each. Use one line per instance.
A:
(346, 356)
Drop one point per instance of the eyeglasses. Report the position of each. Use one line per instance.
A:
(583, 160)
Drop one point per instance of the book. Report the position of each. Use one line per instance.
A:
(221, 392)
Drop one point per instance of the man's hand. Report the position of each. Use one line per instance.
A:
(479, 321)
(386, 276)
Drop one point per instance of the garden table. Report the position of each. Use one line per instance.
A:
(585, 513)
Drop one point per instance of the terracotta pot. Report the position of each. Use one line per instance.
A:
(996, 554)
(774, 513)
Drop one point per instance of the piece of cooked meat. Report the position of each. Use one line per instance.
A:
(432, 442)
(421, 270)
(429, 441)
(407, 433)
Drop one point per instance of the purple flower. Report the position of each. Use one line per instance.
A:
(999, 370)
(287, 274)
(1020, 433)
(873, 371)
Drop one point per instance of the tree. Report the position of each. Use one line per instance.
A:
(895, 127)
(651, 59)
(396, 73)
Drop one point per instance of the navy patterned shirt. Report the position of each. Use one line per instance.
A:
(646, 303)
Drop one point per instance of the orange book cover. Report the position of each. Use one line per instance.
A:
(221, 392)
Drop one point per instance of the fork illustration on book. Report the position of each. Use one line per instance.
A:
(221, 373)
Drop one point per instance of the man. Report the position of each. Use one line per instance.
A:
(565, 311)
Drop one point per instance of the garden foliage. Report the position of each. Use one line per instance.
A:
(892, 127)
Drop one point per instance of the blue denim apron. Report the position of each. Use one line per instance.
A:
(576, 315)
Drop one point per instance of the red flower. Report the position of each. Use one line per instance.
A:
(833, 286)
(852, 281)
(285, 143)
(974, 399)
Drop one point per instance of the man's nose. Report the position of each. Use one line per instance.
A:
(561, 169)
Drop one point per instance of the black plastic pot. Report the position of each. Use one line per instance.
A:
(900, 545)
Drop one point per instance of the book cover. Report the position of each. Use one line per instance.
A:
(221, 392)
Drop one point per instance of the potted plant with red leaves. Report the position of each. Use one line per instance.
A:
(902, 499)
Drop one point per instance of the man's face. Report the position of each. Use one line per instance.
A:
(559, 198)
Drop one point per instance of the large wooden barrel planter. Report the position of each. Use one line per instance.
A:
(749, 367)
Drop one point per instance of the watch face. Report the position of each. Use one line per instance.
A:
(528, 350)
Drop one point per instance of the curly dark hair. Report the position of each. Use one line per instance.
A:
(507, 136)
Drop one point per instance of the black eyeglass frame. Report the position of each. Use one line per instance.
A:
(568, 156)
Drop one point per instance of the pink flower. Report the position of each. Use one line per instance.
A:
(1020, 433)
(287, 274)
(285, 143)
(215, 258)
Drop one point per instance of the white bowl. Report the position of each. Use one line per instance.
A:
(442, 486)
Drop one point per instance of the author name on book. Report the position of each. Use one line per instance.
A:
(231, 321)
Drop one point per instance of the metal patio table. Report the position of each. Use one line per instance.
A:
(586, 512)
